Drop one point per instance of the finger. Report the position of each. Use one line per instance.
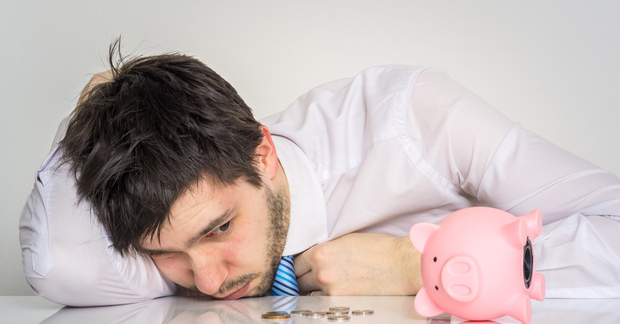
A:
(308, 282)
(302, 262)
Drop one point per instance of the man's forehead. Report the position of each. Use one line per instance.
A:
(204, 197)
(200, 192)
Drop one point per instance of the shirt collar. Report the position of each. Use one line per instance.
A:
(308, 222)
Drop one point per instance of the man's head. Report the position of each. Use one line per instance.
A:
(166, 143)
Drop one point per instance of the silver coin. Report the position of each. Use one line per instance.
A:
(366, 312)
(340, 309)
(300, 311)
(316, 315)
(336, 313)
(338, 318)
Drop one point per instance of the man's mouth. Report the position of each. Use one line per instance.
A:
(237, 294)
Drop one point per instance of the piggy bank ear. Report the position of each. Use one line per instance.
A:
(419, 234)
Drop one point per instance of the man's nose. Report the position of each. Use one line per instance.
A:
(209, 270)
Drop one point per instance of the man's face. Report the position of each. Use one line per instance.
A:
(225, 242)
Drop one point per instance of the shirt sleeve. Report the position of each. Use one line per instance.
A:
(505, 166)
(68, 257)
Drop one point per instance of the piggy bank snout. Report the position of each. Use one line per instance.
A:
(460, 278)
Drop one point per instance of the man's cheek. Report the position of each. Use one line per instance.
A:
(237, 248)
(240, 248)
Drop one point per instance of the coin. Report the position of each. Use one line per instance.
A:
(276, 316)
(337, 313)
(340, 309)
(338, 318)
(316, 315)
(365, 312)
(300, 311)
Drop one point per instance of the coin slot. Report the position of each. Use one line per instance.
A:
(528, 263)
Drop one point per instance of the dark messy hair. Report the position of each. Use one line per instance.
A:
(161, 124)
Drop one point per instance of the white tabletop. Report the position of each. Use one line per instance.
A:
(391, 309)
(26, 309)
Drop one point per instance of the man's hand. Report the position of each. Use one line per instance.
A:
(360, 264)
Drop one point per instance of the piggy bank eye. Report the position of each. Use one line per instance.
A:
(528, 263)
(436, 288)
(435, 259)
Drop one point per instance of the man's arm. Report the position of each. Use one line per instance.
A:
(489, 157)
(67, 256)
(578, 200)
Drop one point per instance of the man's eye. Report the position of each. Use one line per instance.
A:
(159, 255)
(222, 228)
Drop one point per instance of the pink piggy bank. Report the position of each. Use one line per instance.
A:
(478, 264)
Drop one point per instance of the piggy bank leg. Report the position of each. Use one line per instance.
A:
(538, 287)
(522, 228)
(520, 309)
(425, 306)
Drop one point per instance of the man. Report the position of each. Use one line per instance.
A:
(164, 177)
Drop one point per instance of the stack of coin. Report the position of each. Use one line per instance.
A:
(338, 311)
(301, 312)
(365, 312)
(315, 315)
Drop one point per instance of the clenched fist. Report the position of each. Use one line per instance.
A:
(360, 264)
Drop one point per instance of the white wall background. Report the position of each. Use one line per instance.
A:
(551, 65)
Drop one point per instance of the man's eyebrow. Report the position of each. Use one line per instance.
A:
(211, 226)
(149, 251)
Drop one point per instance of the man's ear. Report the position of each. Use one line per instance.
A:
(266, 155)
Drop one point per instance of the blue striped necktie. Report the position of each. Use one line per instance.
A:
(285, 283)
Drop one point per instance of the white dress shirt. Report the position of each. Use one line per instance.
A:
(379, 152)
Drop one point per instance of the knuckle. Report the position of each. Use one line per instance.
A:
(323, 277)
(328, 276)
(322, 253)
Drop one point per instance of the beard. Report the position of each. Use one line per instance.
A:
(279, 210)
